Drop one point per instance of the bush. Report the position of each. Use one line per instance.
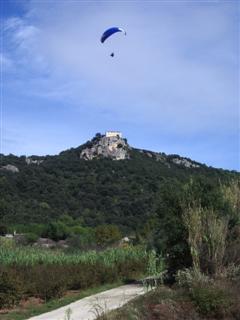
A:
(210, 300)
(56, 231)
(189, 278)
(232, 254)
(107, 234)
(10, 289)
(31, 238)
(231, 272)
(45, 282)
(83, 241)
(7, 244)
(3, 230)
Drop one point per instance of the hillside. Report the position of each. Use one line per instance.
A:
(88, 182)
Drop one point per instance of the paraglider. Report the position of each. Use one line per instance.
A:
(109, 32)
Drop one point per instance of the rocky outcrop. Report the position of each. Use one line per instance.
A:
(185, 162)
(112, 147)
(168, 160)
(11, 168)
(29, 160)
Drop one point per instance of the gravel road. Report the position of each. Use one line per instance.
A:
(88, 308)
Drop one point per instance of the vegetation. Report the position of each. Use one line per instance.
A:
(210, 287)
(48, 274)
(180, 304)
(207, 234)
(29, 256)
(126, 193)
(189, 217)
(145, 197)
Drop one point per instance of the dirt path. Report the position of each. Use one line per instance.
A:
(88, 308)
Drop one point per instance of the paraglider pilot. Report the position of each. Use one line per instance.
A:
(109, 32)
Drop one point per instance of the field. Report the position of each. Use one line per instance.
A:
(46, 274)
(29, 256)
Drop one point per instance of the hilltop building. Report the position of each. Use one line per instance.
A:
(109, 134)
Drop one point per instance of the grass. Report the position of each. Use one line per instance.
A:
(30, 311)
(29, 256)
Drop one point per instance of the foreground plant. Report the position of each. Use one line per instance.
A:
(68, 314)
(207, 234)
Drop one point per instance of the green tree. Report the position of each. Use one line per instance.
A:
(56, 231)
(107, 234)
(67, 220)
(3, 229)
(31, 238)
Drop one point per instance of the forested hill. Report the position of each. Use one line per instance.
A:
(130, 192)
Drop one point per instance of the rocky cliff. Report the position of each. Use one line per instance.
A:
(116, 148)
(103, 146)
(11, 168)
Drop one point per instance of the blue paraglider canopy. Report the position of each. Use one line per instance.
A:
(111, 31)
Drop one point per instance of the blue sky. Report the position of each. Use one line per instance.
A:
(173, 85)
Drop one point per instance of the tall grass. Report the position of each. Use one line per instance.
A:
(28, 256)
(207, 235)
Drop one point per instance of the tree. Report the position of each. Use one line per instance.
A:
(107, 234)
(56, 231)
(3, 230)
(67, 220)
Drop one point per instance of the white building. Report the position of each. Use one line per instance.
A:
(113, 134)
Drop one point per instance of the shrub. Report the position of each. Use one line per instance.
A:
(7, 244)
(232, 254)
(189, 278)
(107, 234)
(46, 282)
(82, 276)
(56, 231)
(31, 238)
(10, 289)
(3, 229)
(232, 272)
(83, 241)
(210, 300)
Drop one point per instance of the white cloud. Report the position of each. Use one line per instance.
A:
(20, 31)
(6, 62)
